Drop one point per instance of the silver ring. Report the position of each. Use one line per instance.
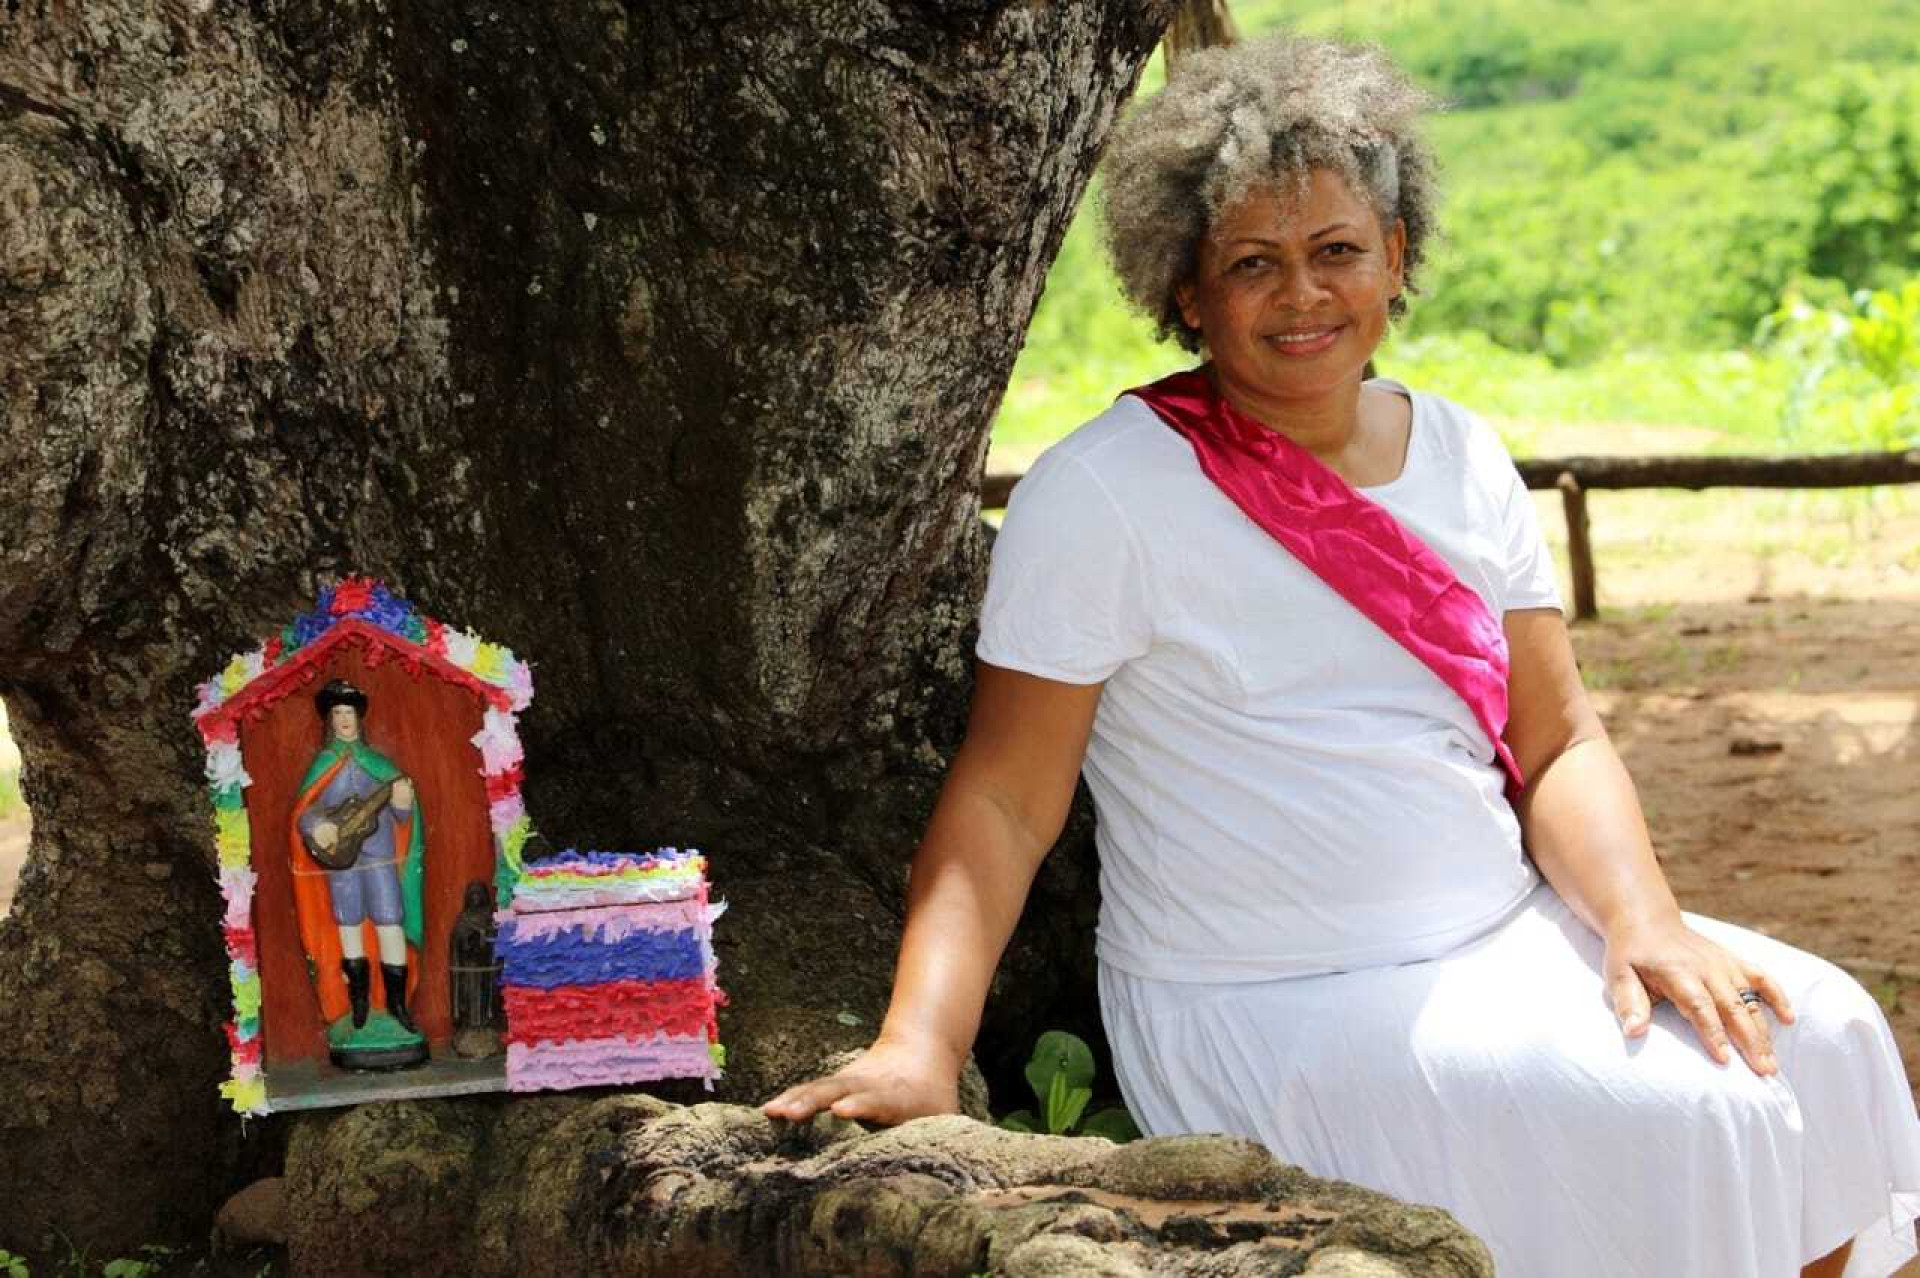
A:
(1751, 998)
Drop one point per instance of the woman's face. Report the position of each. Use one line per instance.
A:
(1291, 290)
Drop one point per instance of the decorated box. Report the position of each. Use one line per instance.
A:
(608, 969)
(365, 771)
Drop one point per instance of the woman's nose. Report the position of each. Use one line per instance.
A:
(1299, 286)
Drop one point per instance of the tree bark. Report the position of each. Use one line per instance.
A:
(630, 1185)
(1200, 24)
(658, 342)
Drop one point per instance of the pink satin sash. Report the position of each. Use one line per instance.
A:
(1352, 544)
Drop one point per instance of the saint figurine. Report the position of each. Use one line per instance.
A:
(359, 861)
(474, 973)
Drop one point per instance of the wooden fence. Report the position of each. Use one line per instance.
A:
(1575, 476)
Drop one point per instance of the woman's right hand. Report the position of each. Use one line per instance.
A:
(888, 1083)
(1003, 804)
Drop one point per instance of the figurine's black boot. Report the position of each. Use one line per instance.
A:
(359, 985)
(396, 979)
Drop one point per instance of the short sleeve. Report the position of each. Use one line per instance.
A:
(1066, 594)
(1530, 581)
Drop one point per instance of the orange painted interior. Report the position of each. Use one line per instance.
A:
(425, 724)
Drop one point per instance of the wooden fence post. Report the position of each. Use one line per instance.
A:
(1573, 501)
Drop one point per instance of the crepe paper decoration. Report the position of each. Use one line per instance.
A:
(519, 685)
(604, 1011)
(248, 1095)
(462, 647)
(241, 946)
(365, 613)
(576, 879)
(224, 770)
(616, 921)
(504, 813)
(504, 783)
(607, 1062)
(236, 884)
(584, 956)
(607, 969)
(246, 992)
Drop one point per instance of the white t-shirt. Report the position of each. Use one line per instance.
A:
(1282, 789)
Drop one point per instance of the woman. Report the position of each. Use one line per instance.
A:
(1376, 890)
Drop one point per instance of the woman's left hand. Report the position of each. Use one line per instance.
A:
(1648, 962)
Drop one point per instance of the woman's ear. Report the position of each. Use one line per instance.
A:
(1397, 255)
(1183, 297)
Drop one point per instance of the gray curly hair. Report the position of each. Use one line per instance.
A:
(1266, 110)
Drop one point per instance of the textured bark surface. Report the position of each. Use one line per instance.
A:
(633, 1185)
(658, 342)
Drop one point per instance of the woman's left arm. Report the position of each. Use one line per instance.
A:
(1582, 823)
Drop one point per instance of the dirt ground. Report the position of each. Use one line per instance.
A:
(1776, 746)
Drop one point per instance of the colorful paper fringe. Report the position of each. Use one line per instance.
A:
(573, 880)
(608, 1061)
(356, 609)
(608, 969)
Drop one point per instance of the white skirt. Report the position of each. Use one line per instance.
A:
(1495, 1082)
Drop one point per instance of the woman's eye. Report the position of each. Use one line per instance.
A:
(1251, 263)
(1341, 249)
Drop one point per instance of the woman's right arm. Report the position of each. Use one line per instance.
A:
(1002, 806)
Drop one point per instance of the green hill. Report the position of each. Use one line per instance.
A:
(1654, 212)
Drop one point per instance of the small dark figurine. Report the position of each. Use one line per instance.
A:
(474, 973)
(358, 861)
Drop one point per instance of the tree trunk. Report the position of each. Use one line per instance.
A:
(1199, 24)
(658, 342)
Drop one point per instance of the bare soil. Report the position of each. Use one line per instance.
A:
(1776, 746)
(1757, 662)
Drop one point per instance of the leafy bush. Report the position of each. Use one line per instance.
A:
(1854, 147)
(1857, 362)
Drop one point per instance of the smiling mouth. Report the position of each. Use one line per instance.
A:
(1304, 341)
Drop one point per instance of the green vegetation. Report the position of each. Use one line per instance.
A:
(1061, 1075)
(11, 804)
(152, 1261)
(1709, 219)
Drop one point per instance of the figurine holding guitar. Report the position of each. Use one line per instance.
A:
(359, 865)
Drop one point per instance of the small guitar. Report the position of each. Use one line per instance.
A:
(355, 819)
